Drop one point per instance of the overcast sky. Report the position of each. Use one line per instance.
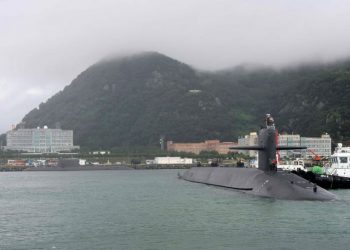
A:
(45, 44)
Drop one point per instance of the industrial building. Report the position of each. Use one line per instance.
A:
(196, 148)
(320, 146)
(40, 140)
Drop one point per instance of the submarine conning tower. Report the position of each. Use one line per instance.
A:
(267, 144)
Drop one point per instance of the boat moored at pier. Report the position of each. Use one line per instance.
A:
(340, 162)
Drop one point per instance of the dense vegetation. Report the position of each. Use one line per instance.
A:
(133, 101)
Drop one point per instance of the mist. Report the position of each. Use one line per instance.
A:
(46, 44)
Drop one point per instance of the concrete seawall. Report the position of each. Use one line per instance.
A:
(5, 168)
(79, 168)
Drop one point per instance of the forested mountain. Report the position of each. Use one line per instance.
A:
(133, 101)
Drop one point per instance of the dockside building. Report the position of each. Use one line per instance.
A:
(248, 140)
(320, 146)
(40, 140)
(196, 148)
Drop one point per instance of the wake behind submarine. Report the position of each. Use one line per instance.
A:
(265, 180)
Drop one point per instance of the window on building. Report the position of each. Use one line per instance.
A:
(343, 159)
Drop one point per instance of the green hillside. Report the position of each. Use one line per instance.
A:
(133, 101)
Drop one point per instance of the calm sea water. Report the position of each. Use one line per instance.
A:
(153, 209)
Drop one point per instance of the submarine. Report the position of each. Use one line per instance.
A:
(264, 181)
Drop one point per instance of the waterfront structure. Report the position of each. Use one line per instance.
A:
(170, 160)
(40, 140)
(16, 163)
(196, 148)
(320, 146)
(100, 152)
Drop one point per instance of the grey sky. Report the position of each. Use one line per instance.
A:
(45, 44)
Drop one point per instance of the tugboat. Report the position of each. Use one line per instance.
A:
(340, 162)
(337, 175)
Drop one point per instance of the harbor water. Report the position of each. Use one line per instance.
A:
(153, 209)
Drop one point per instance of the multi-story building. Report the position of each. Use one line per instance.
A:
(289, 140)
(317, 146)
(248, 140)
(320, 146)
(40, 140)
(196, 148)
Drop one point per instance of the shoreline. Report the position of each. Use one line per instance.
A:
(5, 168)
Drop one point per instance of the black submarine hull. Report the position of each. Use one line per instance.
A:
(279, 185)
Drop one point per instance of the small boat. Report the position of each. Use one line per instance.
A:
(335, 175)
(340, 162)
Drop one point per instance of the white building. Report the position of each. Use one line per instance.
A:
(40, 140)
(289, 140)
(172, 160)
(320, 146)
(317, 145)
(248, 140)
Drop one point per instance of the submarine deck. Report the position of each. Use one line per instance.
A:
(282, 185)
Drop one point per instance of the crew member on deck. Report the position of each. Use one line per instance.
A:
(269, 120)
